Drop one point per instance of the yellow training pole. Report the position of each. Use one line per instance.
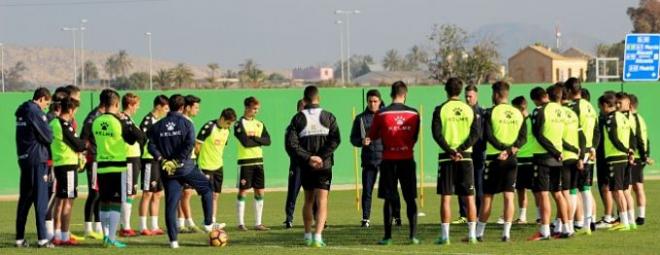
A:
(421, 156)
(355, 166)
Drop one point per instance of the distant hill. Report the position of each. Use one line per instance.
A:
(53, 66)
(512, 37)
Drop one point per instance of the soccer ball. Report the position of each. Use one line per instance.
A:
(218, 238)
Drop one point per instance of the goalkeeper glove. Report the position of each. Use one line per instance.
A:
(170, 166)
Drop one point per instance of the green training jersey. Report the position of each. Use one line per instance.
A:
(571, 136)
(212, 140)
(504, 127)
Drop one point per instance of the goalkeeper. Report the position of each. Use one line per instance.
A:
(171, 141)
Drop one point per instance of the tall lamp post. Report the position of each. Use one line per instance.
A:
(75, 71)
(83, 27)
(348, 14)
(151, 70)
(2, 66)
(341, 52)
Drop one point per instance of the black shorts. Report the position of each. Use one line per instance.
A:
(541, 177)
(556, 178)
(66, 181)
(251, 177)
(455, 178)
(585, 177)
(602, 174)
(524, 175)
(569, 175)
(315, 179)
(92, 177)
(500, 176)
(627, 176)
(637, 173)
(616, 176)
(132, 175)
(393, 172)
(215, 179)
(112, 187)
(150, 177)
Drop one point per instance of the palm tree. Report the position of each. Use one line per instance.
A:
(214, 67)
(251, 73)
(124, 63)
(91, 71)
(392, 61)
(182, 74)
(416, 57)
(163, 78)
(111, 67)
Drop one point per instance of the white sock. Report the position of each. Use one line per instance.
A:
(143, 223)
(507, 229)
(213, 219)
(190, 222)
(105, 222)
(182, 222)
(623, 216)
(631, 215)
(58, 234)
(445, 231)
(258, 211)
(481, 226)
(50, 232)
(569, 227)
(308, 236)
(471, 229)
(114, 223)
(20, 242)
(522, 213)
(98, 226)
(318, 237)
(88, 227)
(642, 211)
(65, 236)
(586, 203)
(579, 222)
(559, 227)
(608, 218)
(174, 244)
(240, 207)
(126, 215)
(154, 223)
(545, 230)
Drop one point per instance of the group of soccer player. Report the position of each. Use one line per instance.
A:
(484, 152)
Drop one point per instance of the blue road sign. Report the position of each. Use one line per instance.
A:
(641, 57)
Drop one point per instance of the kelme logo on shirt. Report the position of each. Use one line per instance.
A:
(508, 114)
(399, 120)
(104, 126)
(104, 130)
(458, 111)
(170, 126)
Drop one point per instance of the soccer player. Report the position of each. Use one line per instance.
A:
(171, 142)
(478, 156)
(93, 228)
(53, 111)
(372, 154)
(130, 103)
(112, 131)
(525, 170)
(642, 158)
(623, 105)
(313, 137)
(33, 137)
(294, 180)
(455, 128)
(547, 128)
(252, 135)
(602, 172)
(186, 222)
(573, 142)
(505, 132)
(617, 153)
(211, 142)
(588, 123)
(152, 186)
(66, 148)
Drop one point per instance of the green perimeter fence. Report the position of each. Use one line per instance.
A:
(277, 108)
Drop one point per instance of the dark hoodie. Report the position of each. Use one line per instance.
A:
(372, 154)
(33, 134)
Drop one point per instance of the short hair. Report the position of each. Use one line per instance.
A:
(160, 100)
(585, 94)
(250, 101)
(64, 90)
(69, 103)
(176, 102)
(607, 99)
(499, 87)
(40, 93)
(573, 86)
(537, 94)
(471, 87)
(300, 104)
(108, 98)
(56, 100)
(622, 95)
(519, 101)
(228, 114)
(191, 100)
(72, 89)
(373, 93)
(129, 99)
(399, 88)
(311, 92)
(453, 86)
(634, 101)
(555, 91)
